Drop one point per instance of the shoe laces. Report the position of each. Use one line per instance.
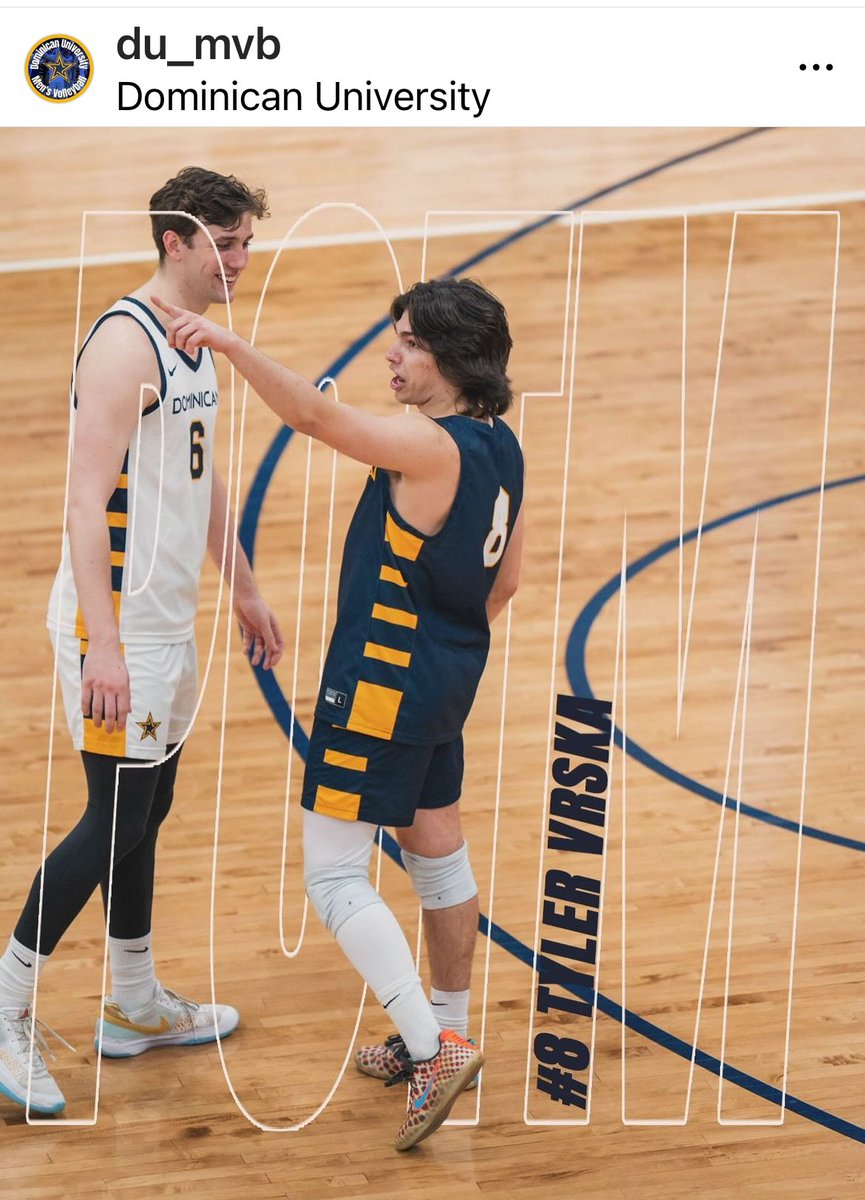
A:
(398, 1049)
(164, 993)
(27, 1030)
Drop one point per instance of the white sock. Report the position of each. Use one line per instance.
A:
(451, 1010)
(376, 947)
(409, 1010)
(133, 974)
(17, 974)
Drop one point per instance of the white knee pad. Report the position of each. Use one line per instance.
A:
(336, 858)
(441, 882)
(337, 893)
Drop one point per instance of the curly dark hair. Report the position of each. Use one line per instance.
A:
(214, 199)
(465, 328)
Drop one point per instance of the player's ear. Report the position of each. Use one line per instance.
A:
(173, 244)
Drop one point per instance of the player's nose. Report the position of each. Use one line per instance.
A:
(237, 259)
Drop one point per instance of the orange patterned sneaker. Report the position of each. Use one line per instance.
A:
(434, 1086)
(387, 1059)
(383, 1061)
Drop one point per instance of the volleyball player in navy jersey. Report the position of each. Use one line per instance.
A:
(431, 556)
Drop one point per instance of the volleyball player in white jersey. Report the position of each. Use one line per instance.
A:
(144, 505)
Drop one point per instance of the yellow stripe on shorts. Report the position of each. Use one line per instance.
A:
(331, 803)
(353, 762)
(392, 575)
(99, 741)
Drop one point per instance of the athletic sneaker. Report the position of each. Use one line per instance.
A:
(168, 1020)
(387, 1059)
(16, 1030)
(434, 1085)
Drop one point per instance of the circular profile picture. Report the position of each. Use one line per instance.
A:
(59, 68)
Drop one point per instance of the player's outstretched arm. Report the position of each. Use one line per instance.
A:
(416, 448)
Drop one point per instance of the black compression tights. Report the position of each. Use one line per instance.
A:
(80, 863)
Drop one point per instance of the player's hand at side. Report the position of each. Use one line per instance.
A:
(105, 687)
(262, 638)
(188, 330)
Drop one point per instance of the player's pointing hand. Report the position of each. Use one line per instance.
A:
(188, 330)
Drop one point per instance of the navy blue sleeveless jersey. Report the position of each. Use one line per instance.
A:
(411, 636)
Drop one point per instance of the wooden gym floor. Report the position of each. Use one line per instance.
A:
(601, 420)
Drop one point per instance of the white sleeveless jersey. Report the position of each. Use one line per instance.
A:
(159, 512)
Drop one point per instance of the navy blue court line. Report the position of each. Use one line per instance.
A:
(575, 661)
(654, 1033)
(281, 710)
(661, 1037)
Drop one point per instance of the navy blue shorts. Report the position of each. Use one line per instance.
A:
(356, 777)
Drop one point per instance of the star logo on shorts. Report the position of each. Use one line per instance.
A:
(148, 727)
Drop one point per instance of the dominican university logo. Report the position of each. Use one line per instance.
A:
(59, 68)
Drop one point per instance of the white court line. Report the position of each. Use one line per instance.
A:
(807, 732)
(472, 1121)
(680, 685)
(746, 636)
(818, 554)
(740, 786)
(241, 1107)
(91, 1121)
(619, 663)
(323, 383)
(527, 1120)
(524, 398)
(416, 233)
(49, 767)
(130, 533)
(329, 543)
(711, 433)
(683, 1120)
(304, 528)
(289, 242)
(622, 642)
(682, 410)
(509, 225)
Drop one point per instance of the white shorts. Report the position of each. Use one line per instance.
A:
(163, 686)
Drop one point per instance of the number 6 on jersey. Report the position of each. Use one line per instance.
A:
(196, 449)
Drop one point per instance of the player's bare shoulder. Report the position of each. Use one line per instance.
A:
(441, 451)
(119, 357)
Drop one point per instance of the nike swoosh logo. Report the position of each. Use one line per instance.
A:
(116, 1016)
(422, 1097)
(144, 951)
(171, 370)
(22, 962)
(439, 1003)
(389, 1003)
